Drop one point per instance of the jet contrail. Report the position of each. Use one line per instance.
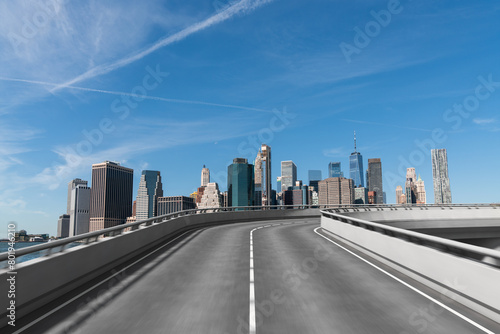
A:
(156, 98)
(241, 7)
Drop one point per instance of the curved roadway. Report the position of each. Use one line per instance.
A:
(303, 283)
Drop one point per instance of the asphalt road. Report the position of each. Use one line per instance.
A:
(303, 284)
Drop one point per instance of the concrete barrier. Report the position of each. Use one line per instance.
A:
(428, 215)
(470, 283)
(45, 279)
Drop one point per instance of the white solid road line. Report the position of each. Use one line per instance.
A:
(463, 317)
(94, 286)
(252, 327)
(251, 316)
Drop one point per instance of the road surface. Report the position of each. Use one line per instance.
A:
(302, 283)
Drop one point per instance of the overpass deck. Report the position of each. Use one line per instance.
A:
(303, 283)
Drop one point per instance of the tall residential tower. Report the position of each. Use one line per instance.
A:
(442, 192)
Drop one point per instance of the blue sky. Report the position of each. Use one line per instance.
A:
(224, 76)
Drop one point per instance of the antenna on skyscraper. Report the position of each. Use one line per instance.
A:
(355, 149)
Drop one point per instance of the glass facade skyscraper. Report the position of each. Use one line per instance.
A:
(240, 183)
(442, 192)
(356, 169)
(356, 166)
(288, 174)
(335, 170)
(150, 188)
(314, 177)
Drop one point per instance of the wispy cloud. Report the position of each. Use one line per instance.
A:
(240, 8)
(147, 97)
(161, 135)
(335, 152)
(484, 121)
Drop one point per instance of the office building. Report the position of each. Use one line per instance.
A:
(314, 198)
(410, 186)
(63, 226)
(79, 220)
(212, 197)
(335, 170)
(300, 194)
(199, 194)
(224, 199)
(262, 173)
(356, 166)
(72, 185)
(361, 195)
(240, 183)
(314, 177)
(111, 195)
(278, 184)
(171, 204)
(399, 194)
(335, 191)
(442, 192)
(150, 188)
(205, 176)
(374, 179)
(421, 196)
(288, 174)
(371, 197)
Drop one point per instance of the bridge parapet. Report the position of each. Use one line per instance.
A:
(61, 269)
(469, 274)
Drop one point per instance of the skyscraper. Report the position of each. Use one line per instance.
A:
(314, 175)
(240, 183)
(212, 197)
(288, 174)
(150, 188)
(410, 186)
(79, 215)
(442, 192)
(205, 176)
(374, 179)
(111, 195)
(278, 183)
(72, 185)
(356, 166)
(314, 178)
(399, 193)
(263, 180)
(335, 170)
(63, 226)
(421, 196)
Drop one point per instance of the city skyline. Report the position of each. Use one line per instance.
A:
(175, 85)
